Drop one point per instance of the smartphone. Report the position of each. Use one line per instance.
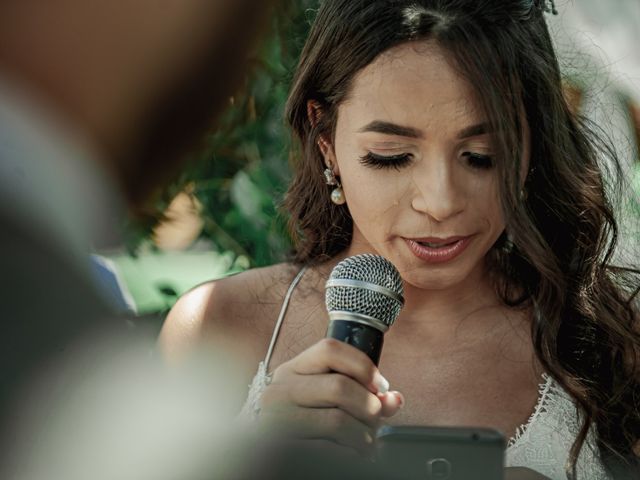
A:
(440, 453)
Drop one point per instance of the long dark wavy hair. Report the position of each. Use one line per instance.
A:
(585, 313)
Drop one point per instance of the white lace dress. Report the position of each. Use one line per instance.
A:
(542, 444)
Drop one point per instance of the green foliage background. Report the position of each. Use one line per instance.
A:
(243, 173)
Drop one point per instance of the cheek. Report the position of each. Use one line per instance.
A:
(483, 202)
(370, 195)
(373, 197)
(494, 205)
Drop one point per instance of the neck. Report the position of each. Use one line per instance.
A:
(443, 311)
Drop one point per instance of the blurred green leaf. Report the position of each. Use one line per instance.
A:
(243, 173)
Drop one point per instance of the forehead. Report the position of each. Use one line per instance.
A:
(414, 84)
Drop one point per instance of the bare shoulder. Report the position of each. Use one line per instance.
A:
(240, 310)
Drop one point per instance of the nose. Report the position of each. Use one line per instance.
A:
(436, 192)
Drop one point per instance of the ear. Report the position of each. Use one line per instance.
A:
(314, 113)
(330, 161)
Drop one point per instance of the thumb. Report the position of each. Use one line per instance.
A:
(391, 402)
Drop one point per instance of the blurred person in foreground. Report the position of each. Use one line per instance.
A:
(435, 133)
(100, 100)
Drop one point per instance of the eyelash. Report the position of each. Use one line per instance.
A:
(481, 162)
(383, 161)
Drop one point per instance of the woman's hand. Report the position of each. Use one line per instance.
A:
(331, 391)
(522, 473)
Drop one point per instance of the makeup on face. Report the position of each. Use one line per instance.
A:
(416, 159)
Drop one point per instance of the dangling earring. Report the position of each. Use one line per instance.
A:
(337, 195)
(507, 246)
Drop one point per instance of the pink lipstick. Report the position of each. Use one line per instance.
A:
(438, 250)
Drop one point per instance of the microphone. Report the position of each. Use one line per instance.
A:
(364, 295)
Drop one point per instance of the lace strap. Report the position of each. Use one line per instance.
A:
(283, 311)
(545, 391)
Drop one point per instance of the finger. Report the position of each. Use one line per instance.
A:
(331, 390)
(390, 403)
(336, 426)
(330, 424)
(334, 390)
(330, 355)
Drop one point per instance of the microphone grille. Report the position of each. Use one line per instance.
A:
(366, 298)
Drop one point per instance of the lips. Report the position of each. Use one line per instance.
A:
(434, 242)
(436, 249)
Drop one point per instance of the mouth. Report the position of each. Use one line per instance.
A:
(434, 242)
(438, 250)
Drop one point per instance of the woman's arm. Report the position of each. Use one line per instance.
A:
(236, 313)
(184, 327)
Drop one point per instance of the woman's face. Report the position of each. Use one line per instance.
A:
(414, 155)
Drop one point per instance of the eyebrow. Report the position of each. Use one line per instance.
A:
(474, 131)
(388, 128)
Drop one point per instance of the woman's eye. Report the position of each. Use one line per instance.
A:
(383, 161)
(476, 160)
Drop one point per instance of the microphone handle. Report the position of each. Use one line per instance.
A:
(365, 338)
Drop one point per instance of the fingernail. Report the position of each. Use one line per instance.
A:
(368, 438)
(400, 398)
(381, 383)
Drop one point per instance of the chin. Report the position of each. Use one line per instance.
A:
(432, 281)
(434, 276)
